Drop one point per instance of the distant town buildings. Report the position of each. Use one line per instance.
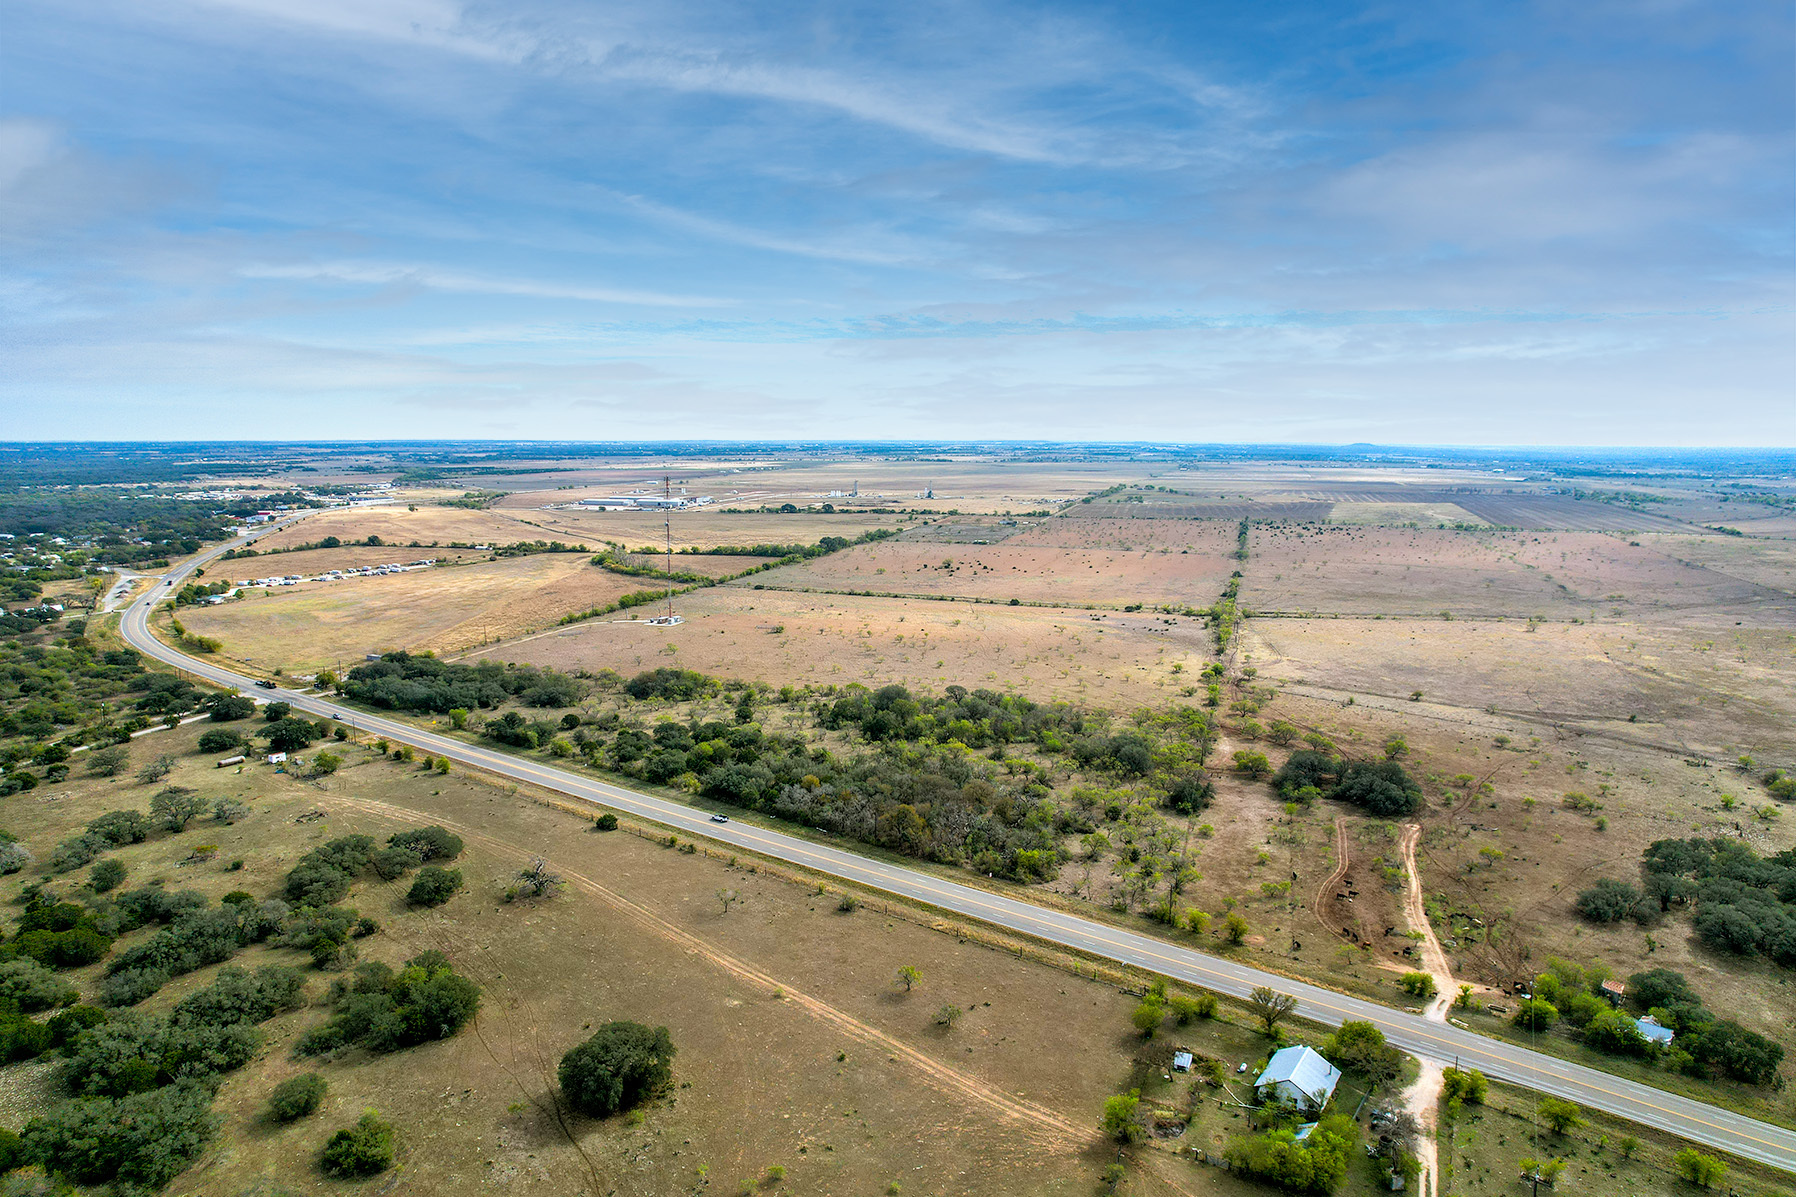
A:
(647, 502)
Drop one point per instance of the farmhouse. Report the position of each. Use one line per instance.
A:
(1300, 1076)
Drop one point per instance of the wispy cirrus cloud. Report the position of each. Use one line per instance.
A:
(397, 274)
(935, 217)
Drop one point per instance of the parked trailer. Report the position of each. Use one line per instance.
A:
(228, 761)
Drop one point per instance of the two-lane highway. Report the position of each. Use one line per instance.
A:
(1692, 1120)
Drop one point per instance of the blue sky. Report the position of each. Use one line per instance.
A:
(1503, 223)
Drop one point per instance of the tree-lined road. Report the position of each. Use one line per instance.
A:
(1693, 1120)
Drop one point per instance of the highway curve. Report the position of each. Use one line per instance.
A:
(1693, 1120)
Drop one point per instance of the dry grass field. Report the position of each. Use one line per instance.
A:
(970, 483)
(700, 528)
(398, 525)
(1112, 660)
(1605, 646)
(796, 1047)
(317, 625)
(1032, 572)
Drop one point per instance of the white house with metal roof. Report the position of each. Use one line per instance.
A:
(1300, 1076)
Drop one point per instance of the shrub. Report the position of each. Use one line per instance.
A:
(430, 843)
(392, 863)
(1699, 1169)
(1469, 1085)
(621, 1064)
(434, 886)
(31, 986)
(64, 1025)
(106, 875)
(1536, 1014)
(606, 822)
(157, 769)
(296, 1097)
(1609, 901)
(220, 739)
(1316, 1164)
(1382, 787)
(364, 1149)
(13, 857)
(108, 762)
(1418, 985)
(145, 1139)
(177, 806)
(323, 876)
(387, 1012)
(79, 946)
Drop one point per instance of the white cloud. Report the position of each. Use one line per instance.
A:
(388, 274)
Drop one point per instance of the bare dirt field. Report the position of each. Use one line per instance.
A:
(1515, 575)
(703, 528)
(1031, 573)
(397, 524)
(1768, 563)
(1721, 691)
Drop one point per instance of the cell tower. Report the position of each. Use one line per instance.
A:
(670, 619)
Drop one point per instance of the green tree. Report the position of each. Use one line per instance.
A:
(1560, 1115)
(909, 975)
(1148, 1016)
(1254, 764)
(290, 734)
(1122, 1117)
(157, 769)
(1361, 1045)
(620, 1065)
(364, 1149)
(219, 739)
(1699, 1169)
(1270, 1007)
(1535, 1014)
(177, 806)
(1236, 929)
(434, 886)
(1420, 985)
(107, 762)
(1468, 1085)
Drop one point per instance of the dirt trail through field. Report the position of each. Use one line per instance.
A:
(1051, 1128)
(1333, 879)
(1434, 958)
(1423, 1098)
